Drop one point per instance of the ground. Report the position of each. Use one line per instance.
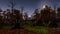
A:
(36, 29)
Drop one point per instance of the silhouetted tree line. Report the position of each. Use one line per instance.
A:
(46, 17)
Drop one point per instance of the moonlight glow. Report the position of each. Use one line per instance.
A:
(43, 6)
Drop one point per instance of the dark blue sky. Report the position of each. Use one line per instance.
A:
(29, 5)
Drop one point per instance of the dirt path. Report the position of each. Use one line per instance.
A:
(54, 31)
(17, 31)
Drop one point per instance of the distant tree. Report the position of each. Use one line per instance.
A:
(36, 14)
(1, 14)
(45, 14)
(8, 10)
(58, 12)
(53, 14)
(17, 16)
(53, 20)
(1, 19)
(1, 10)
(8, 16)
(12, 4)
(8, 13)
(4, 16)
(21, 12)
(58, 15)
(36, 17)
(25, 16)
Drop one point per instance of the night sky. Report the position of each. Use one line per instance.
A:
(29, 5)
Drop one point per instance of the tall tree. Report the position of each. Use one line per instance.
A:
(53, 19)
(17, 17)
(12, 5)
(4, 17)
(25, 16)
(1, 18)
(1, 14)
(36, 14)
(36, 17)
(58, 12)
(45, 14)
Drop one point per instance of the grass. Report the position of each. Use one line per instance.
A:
(6, 27)
(41, 29)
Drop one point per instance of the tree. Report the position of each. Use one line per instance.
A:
(1, 13)
(4, 17)
(45, 14)
(25, 16)
(53, 20)
(8, 14)
(36, 14)
(36, 17)
(1, 19)
(58, 12)
(58, 15)
(12, 5)
(17, 16)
